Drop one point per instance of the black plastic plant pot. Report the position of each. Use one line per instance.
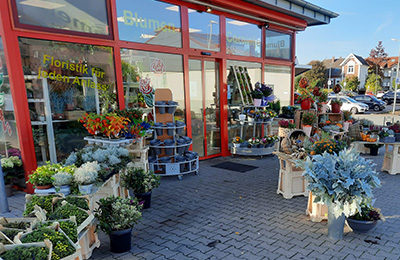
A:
(145, 198)
(153, 160)
(161, 106)
(170, 129)
(169, 150)
(171, 107)
(180, 142)
(188, 142)
(120, 241)
(180, 159)
(159, 129)
(156, 142)
(190, 156)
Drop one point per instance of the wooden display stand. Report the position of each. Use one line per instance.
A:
(88, 240)
(291, 181)
(140, 157)
(298, 117)
(333, 117)
(316, 211)
(391, 161)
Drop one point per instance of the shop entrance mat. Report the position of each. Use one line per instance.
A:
(237, 167)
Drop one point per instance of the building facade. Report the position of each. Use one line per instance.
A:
(355, 65)
(60, 59)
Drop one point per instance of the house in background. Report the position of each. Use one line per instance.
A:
(389, 68)
(355, 65)
(333, 69)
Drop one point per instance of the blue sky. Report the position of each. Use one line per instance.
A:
(358, 29)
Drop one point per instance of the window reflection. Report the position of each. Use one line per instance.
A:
(152, 22)
(278, 45)
(243, 38)
(63, 81)
(279, 78)
(89, 16)
(204, 31)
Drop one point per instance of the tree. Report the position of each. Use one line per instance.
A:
(352, 83)
(373, 83)
(317, 75)
(376, 57)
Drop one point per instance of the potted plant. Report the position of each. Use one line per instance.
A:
(11, 166)
(336, 103)
(116, 217)
(341, 181)
(237, 141)
(85, 176)
(42, 177)
(373, 148)
(253, 142)
(285, 127)
(62, 180)
(305, 99)
(365, 219)
(288, 112)
(250, 116)
(68, 96)
(257, 97)
(308, 120)
(140, 183)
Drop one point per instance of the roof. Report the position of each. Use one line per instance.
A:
(335, 64)
(312, 14)
(357, 57)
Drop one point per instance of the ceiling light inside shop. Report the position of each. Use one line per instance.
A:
(42, 4)
(239, 23)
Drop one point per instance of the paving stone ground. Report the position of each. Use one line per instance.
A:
(242, 217)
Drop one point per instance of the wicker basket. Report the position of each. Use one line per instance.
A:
(283, 132)
(287, 141)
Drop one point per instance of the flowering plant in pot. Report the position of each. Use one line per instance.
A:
(257, 96)
(343, 181)
(42, 177)
(254, 142)
(237, 141)
(85, 176)
(140, 183)
(366, 218)
(285, 127)
(116, 217)
(63, 179)
(11, 167)
(305, 98)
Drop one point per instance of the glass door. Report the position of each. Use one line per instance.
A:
(205, 106)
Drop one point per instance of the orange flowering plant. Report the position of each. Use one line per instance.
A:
(110, 125)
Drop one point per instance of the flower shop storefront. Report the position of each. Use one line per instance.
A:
(60, 59)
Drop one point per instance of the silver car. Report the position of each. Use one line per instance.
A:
(349, 104)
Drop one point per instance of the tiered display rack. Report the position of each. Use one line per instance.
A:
(174, 167)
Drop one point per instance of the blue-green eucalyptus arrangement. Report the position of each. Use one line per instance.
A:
(345, 180)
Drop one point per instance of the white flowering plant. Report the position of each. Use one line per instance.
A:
(62, 178)
(115, 213)
(87, 173)
(11, 167)
(138, 180)
(345, 180)
(109, 158)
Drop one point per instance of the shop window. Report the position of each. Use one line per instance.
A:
(143, 71)
(278, 45)
(243, 38)
(9, 144)
(279, 78)
(89, 16)
(235, 105)
(204, 31)
(155, 22)
(63, 81)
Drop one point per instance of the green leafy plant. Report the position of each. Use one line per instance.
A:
(45, 202)
(11, 166)
(67, 226)
(336, 101)
(80, 202)
(115, 213)
(347, 115)
(17, 225)
(43, 175)
(367, 213)
(10, 233)
(26, 253)
(138, 180)
(257, 94)
(62, 247)
(67, 210)
(62, 179)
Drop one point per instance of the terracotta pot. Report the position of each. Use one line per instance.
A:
(335, 108)
(43, 187)
(305, 104)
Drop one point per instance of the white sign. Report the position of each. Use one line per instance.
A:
(329, 82)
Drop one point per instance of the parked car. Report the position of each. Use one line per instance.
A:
(349, 104)
(388, 97)
(371, 101)
(370, 93)
(380, 93)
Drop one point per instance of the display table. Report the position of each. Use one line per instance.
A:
(291, 181)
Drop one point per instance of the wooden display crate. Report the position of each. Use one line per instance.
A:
(333, 117)
(88, 240)
(316, 211)
(298, 117)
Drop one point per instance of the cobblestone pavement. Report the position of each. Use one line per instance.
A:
(222, 214)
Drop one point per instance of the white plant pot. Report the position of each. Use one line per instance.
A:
(85, 189)
(307, 130)
(236, 145)
(257, 102)
(242, 117)
(65, 189)
(251, 120)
